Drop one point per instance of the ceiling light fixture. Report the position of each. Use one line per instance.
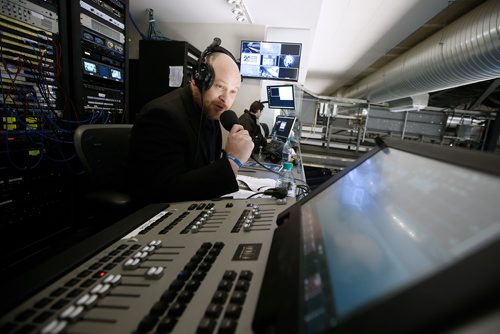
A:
(240, 11)
(237, 10)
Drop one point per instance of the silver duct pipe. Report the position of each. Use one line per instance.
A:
(465, 52)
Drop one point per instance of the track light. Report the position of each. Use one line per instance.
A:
(237, 11)
(240, 11)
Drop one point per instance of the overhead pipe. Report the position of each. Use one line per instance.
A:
(465, 52)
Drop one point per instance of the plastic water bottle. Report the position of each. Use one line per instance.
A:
(287, 152)
(286, 179)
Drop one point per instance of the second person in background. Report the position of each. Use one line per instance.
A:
(250, 121)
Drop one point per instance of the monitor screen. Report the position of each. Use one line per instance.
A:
(116, 74)
(270, 60)
(281, 97)
(393, 220)
(283, 127)
(89, 67)
(378, 246)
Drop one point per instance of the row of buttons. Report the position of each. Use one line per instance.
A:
(141, 255)
(201, 206)
(48, 306)
(158, 221)
(233, 309)
(199, 221)
(175, 222)
(175, 299)
(246, 219)
(87, 301)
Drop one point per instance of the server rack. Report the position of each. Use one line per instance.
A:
(45, 94)
(99, 56)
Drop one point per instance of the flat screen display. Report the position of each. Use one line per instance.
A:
(395, 219)
(102, 70)
(283, 127)
(89, 67)
(281, 97)
(270, 60)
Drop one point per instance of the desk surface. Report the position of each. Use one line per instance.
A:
(267, 170)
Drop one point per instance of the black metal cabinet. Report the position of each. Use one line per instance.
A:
(150, 74)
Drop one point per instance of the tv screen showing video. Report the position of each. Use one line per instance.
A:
(270, 60)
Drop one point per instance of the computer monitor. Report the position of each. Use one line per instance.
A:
(406, 237)
(281, 97)
(270, 60)
(283, 127)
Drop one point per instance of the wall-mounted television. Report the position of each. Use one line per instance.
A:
(281, 97)
(270, 60)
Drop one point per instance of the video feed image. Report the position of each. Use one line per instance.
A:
(270, 48)
(250, 59)
(116, 74)
(288, 73)
(269, 71)
(290, 49)
(249, 70)
(268, 60)
(289, 61)
(250, 47)
(90, 67)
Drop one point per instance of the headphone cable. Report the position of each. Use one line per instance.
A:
(202, 90)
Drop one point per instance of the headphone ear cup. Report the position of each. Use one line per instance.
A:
(204, 76)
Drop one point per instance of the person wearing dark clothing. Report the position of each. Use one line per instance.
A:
(176, 142)
(250, 121)
(265, 127)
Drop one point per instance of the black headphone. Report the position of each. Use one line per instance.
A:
(204, 74)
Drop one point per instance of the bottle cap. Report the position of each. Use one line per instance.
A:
(287, 165)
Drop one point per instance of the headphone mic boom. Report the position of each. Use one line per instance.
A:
(216, 42)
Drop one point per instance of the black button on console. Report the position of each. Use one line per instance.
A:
(207, 325)
(213, 310)
(227, 326)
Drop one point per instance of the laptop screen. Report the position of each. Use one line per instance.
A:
(283, 127)
(385, 239)
(393, 220)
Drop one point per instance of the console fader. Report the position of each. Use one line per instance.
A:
(190, 267)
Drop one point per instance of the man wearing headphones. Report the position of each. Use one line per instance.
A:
(176, 142)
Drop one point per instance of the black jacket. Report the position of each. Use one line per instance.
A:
(169, 163)
(249, 122)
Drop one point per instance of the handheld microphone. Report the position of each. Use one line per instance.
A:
(228, 118)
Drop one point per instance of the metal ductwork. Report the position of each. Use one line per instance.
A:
(465, 52)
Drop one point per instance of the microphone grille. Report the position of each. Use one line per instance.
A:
(228, 118)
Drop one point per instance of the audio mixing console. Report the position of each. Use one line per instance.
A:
(184, 268)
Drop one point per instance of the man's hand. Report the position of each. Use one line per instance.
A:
(239, 144)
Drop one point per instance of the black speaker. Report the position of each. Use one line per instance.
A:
(204, 74)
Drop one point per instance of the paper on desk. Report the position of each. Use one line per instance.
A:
(243, 194)
(255, 183)
(250, 185)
